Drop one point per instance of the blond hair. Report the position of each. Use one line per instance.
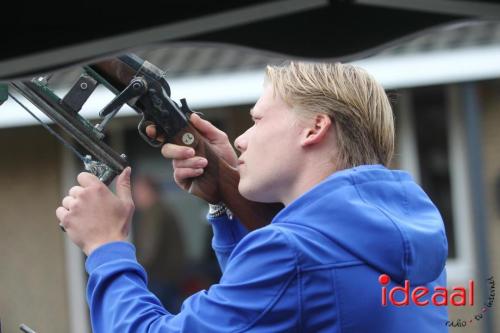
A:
(358, 105)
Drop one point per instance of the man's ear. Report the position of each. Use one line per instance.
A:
(316, 130)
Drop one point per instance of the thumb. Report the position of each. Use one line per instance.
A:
(206, 128)
(123, 188)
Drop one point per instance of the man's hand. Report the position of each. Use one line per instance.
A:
(186, 164)
(93, 216)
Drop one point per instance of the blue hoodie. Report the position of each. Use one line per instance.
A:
(315, 268)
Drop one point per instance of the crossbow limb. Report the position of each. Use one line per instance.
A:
(143, 87)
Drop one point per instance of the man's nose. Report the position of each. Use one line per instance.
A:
(240, 143)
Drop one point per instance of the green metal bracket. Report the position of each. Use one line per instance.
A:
(4, 93)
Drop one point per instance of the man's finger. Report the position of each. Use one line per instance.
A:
(153, 134)
(193, 162)
(206, 128)
(66, 202)
(123, 188)
(86, 179)
(151, 131)
(177, 152)
(61, 213)
(75, 191)
(180, 175)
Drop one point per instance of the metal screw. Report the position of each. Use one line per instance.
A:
(42, 80)
(188, 138)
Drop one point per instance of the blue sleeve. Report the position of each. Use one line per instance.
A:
(227, 234)
(245, 298)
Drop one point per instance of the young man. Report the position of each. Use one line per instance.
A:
(322, 137)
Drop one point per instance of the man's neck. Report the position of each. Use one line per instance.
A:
(311, 175)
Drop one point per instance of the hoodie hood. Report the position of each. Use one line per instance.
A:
(378, 215)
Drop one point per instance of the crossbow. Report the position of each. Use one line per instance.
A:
(143, 87)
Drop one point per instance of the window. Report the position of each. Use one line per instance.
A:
(431, 128)
(431, 146)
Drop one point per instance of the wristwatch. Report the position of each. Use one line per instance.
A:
(218, 210)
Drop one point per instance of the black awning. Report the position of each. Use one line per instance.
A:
(334, 29)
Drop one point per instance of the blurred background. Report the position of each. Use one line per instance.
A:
(445, 90)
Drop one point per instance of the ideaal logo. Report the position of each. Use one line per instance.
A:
(441, 296)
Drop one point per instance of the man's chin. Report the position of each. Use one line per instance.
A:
(247, 192)
(253, 194)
